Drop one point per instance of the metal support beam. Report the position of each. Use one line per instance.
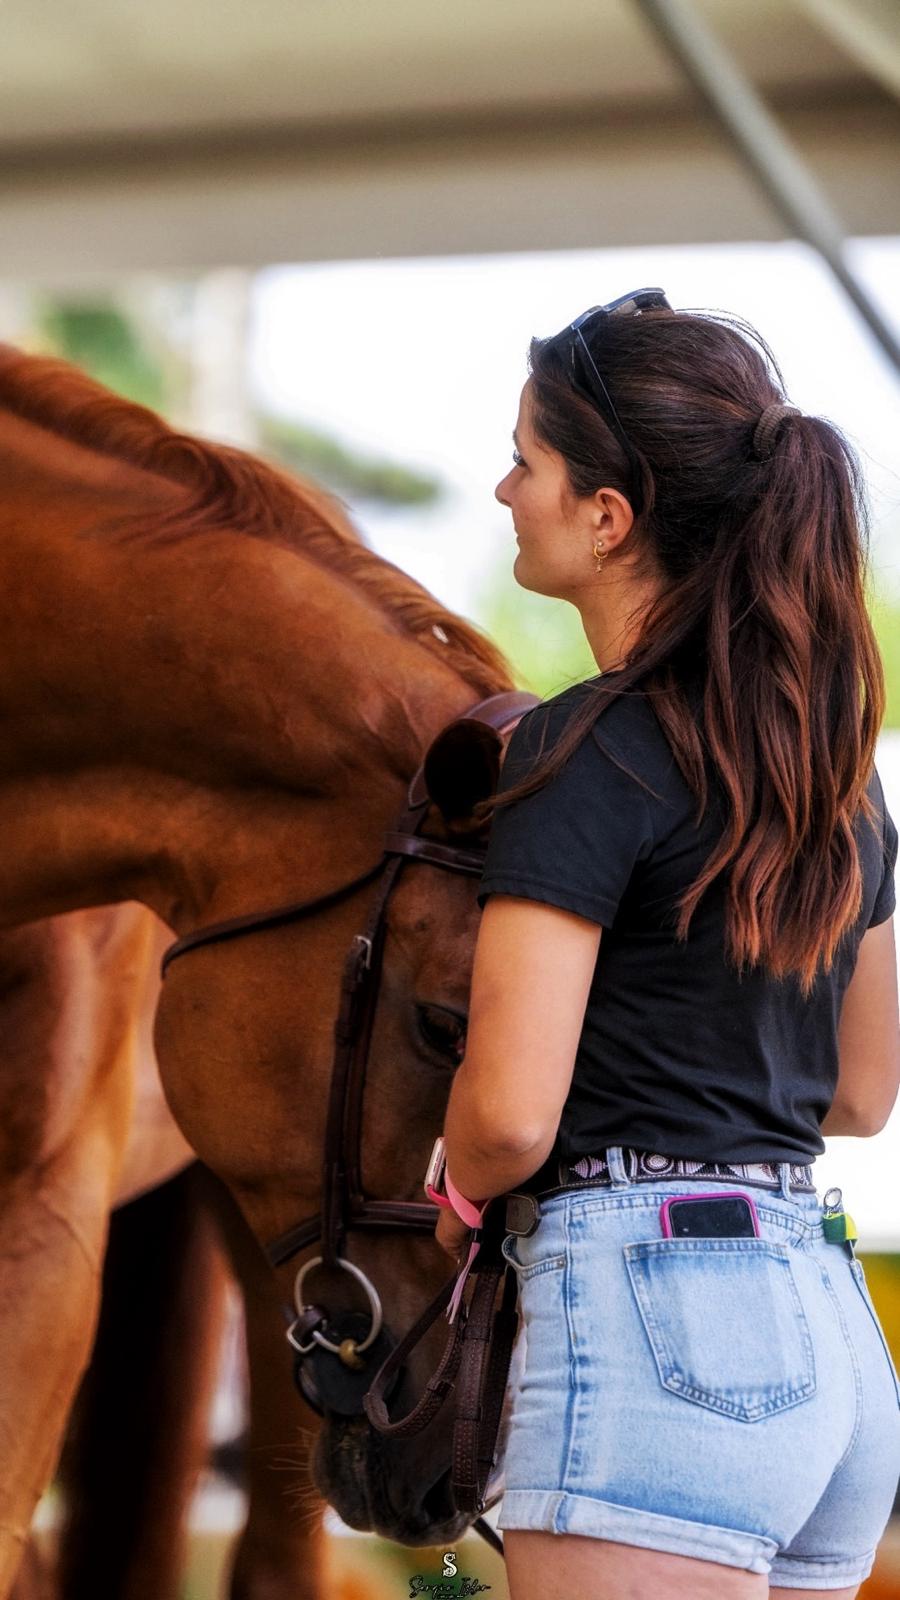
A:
(867, 39)
(766, 150)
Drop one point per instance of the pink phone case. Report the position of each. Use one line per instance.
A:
(721, 1194)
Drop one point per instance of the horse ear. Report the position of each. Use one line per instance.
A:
(462, 767)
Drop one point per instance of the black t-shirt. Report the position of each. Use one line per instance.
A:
(678, 1053)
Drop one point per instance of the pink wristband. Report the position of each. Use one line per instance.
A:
(467, 1210)
(473, 1216)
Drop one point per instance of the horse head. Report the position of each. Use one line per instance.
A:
(360, 1261)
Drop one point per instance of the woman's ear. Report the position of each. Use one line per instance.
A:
(612, 517)
(462, 767)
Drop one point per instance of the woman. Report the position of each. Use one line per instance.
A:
(684, 976)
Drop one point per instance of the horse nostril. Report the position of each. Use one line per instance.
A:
(437, 1502)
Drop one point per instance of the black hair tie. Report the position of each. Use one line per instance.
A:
(768, 424)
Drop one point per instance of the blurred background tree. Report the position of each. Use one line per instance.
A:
(98, 337)
(318, 455)
(885, 610)
(143, 350)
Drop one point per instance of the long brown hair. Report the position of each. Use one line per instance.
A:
(763, 565)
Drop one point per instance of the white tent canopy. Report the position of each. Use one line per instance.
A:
(179, 137)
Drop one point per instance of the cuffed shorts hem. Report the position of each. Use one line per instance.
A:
(793, 1572)
(555, 1511)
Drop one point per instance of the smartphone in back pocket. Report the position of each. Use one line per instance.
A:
(728, 1215)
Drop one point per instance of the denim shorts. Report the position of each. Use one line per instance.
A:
(730, 1399)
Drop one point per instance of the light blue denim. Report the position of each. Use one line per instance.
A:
(727, 1399)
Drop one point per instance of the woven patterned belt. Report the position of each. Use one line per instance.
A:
(645, 1166)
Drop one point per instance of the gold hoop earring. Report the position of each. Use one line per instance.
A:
(600, 554)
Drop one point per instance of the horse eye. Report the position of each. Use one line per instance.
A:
(443, 1030)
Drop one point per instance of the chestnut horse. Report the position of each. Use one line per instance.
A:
(214, 699)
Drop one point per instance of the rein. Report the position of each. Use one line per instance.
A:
(334, 1355)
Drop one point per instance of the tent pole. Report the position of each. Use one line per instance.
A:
(767, 151)
(863, 36)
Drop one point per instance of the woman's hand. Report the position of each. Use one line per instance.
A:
(452, 1233)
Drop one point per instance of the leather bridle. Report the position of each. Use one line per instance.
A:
(336, 1356)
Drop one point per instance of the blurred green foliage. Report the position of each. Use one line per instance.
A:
(317, 455)
(885, 611)
(542, 639)
(102, 340)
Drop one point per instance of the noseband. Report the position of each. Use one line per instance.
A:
(336, 1357)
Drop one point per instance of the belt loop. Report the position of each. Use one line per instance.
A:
(615, 1161)
(784, 1179)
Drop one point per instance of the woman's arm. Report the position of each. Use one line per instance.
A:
(531, 979)
(868, 1040)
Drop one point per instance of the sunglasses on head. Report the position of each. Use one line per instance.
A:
(583, 372)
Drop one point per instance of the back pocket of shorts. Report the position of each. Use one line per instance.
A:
(725, 1323)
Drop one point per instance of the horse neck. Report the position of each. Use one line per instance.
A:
(183, 716)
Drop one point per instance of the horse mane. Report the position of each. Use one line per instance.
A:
(226, 485)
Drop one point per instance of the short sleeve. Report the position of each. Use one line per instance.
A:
(886, 894)
(575, 842)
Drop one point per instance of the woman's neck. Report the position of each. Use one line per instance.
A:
(613, 613)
